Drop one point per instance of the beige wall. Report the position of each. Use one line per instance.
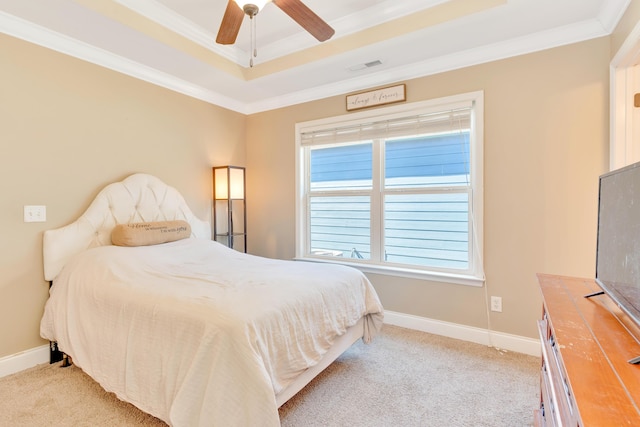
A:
(546, 142)
(67, 128)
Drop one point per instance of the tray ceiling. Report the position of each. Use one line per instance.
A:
(171, 43)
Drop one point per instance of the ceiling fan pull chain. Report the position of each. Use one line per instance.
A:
(255, 39)
(253, 50)
(251, 41)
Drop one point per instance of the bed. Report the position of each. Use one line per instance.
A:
(189, 330)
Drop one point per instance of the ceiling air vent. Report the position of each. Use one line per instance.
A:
(370, 64)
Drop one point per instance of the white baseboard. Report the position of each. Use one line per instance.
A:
(499, 340)
(23, 360)
(36, 356)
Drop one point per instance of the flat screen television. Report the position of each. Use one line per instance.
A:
(618, 251)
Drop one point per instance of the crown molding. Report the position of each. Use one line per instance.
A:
(574, 33)
(611, 13)
(32, 33)
(177, 23)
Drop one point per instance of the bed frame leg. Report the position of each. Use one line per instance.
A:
(66, 361)
(55, 355)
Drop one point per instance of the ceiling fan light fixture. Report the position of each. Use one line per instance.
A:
(251, 7)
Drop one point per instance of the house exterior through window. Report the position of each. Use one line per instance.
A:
(396, 190)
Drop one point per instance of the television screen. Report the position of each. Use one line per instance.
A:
(618, 253)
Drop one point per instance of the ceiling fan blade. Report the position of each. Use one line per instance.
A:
(306, 18)
(230, 25)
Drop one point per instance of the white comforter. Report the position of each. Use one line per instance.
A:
(198, 334)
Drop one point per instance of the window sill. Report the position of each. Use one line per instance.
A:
(432, 276)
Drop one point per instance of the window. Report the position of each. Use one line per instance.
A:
(395, 190)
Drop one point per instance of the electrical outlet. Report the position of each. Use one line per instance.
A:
(35, 213)
(496, 304)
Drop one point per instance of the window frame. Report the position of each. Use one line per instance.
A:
(475, 276)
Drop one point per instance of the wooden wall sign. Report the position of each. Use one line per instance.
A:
(373, 98)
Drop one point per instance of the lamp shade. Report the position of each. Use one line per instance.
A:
(229, 207)
(229, 182)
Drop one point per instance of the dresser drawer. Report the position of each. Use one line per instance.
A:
(538, 418)
(547, 401)
(557, 399)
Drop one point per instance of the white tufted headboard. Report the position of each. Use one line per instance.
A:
(138, 198)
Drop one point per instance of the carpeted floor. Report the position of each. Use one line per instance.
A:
(404, 378)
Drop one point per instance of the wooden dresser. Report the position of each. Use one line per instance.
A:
(585, 377)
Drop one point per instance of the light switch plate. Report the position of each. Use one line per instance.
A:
(35, 213)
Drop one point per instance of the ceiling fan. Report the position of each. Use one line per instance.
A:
(298, 11)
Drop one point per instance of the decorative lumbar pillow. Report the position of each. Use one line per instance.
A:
(150, 233)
